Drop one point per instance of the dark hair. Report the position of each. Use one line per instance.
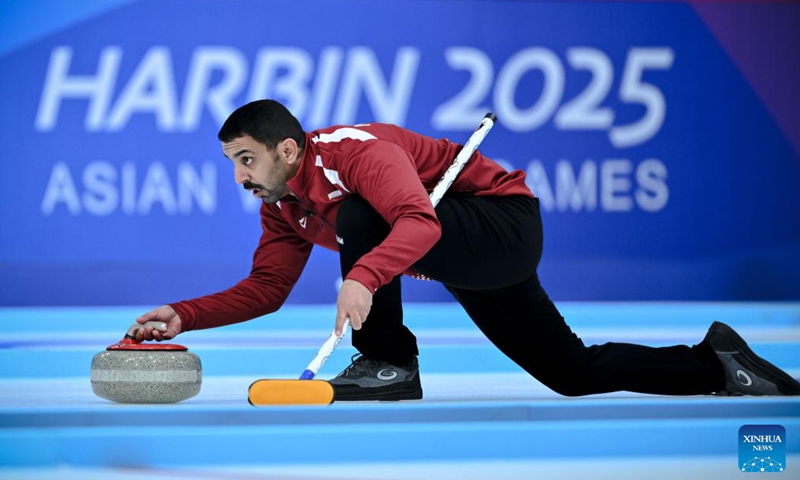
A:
(267, 121)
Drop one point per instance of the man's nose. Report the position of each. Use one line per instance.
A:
(240, 175)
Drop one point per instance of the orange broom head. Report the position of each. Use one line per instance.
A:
(264, 393)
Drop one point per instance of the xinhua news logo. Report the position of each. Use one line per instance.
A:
(762, 448)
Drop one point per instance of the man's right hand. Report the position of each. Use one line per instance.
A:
(164, 314)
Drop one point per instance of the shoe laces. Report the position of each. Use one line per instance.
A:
(359, 363)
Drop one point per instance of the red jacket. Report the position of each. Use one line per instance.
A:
(394, 169)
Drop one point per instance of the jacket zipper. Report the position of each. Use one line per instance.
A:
(307, 209)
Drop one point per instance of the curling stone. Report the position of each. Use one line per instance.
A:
(134, 372)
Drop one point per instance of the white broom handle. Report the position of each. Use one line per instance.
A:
(462, 158)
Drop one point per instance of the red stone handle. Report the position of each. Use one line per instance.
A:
(129, 342)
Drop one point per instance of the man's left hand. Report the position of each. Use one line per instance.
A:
(354, 302)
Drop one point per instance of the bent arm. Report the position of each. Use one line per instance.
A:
(386, 177)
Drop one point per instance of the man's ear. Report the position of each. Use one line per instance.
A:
(290, 149)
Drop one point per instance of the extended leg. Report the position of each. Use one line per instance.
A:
(526, 326)
(487, 258)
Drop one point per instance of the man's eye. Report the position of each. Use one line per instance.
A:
(247, 160)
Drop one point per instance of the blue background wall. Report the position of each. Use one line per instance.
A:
(662, 138)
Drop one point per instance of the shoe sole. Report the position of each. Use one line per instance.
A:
(376, 397)
(770, 370)
(360, 394)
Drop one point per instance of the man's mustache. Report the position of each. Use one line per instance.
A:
(252, 186)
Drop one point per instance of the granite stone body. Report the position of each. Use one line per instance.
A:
(142, 376)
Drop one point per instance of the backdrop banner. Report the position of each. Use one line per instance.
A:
(662, 138)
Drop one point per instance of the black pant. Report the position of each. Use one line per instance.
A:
(487, 258)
